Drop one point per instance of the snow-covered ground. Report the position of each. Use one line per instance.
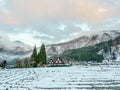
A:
(62, 78)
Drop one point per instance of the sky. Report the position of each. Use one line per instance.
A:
(54, 21)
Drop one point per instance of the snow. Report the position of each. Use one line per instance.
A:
(9, 48)
(118, 58)
(112, 33)
(5, 42)
(11, 45)
(84, 39)
(102, 77)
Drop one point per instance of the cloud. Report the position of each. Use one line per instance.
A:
(30, 36)
(32, 10)
(93, 10)
(7, 18)
(83, 27)
(43, 36)
(27, 12)
(109, 24)
(25, 36)
(89, 10)
(52, 21)
(62, 27)
(4, 17)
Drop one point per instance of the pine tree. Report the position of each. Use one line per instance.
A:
(42, 55)
(34, 57)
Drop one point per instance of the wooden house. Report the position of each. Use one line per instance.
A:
(58, 62)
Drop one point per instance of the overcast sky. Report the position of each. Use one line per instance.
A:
(53, 21)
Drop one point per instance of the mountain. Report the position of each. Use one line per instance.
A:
(106, 52)
(85, 39)
(10, 50)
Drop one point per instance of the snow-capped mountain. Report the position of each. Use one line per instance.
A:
(88, 38)
(10, 50)
(112, 54)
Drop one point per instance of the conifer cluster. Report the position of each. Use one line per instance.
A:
(38, 58)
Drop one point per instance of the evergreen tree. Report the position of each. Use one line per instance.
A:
(34, 57)
(42, 55)
(4, 64)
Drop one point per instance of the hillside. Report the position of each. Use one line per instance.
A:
(77, 48)
(10, 50)
(85, 39)
(107, 50)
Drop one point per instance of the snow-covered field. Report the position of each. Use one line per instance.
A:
(61, 78)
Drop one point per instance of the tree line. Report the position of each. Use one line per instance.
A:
(36, 59)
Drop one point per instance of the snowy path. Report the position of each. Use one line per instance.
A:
(61, 78)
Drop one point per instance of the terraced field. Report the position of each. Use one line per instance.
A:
(62, 78)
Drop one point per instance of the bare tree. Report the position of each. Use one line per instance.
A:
(19, 64)
(26, 62)
(4, 64)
